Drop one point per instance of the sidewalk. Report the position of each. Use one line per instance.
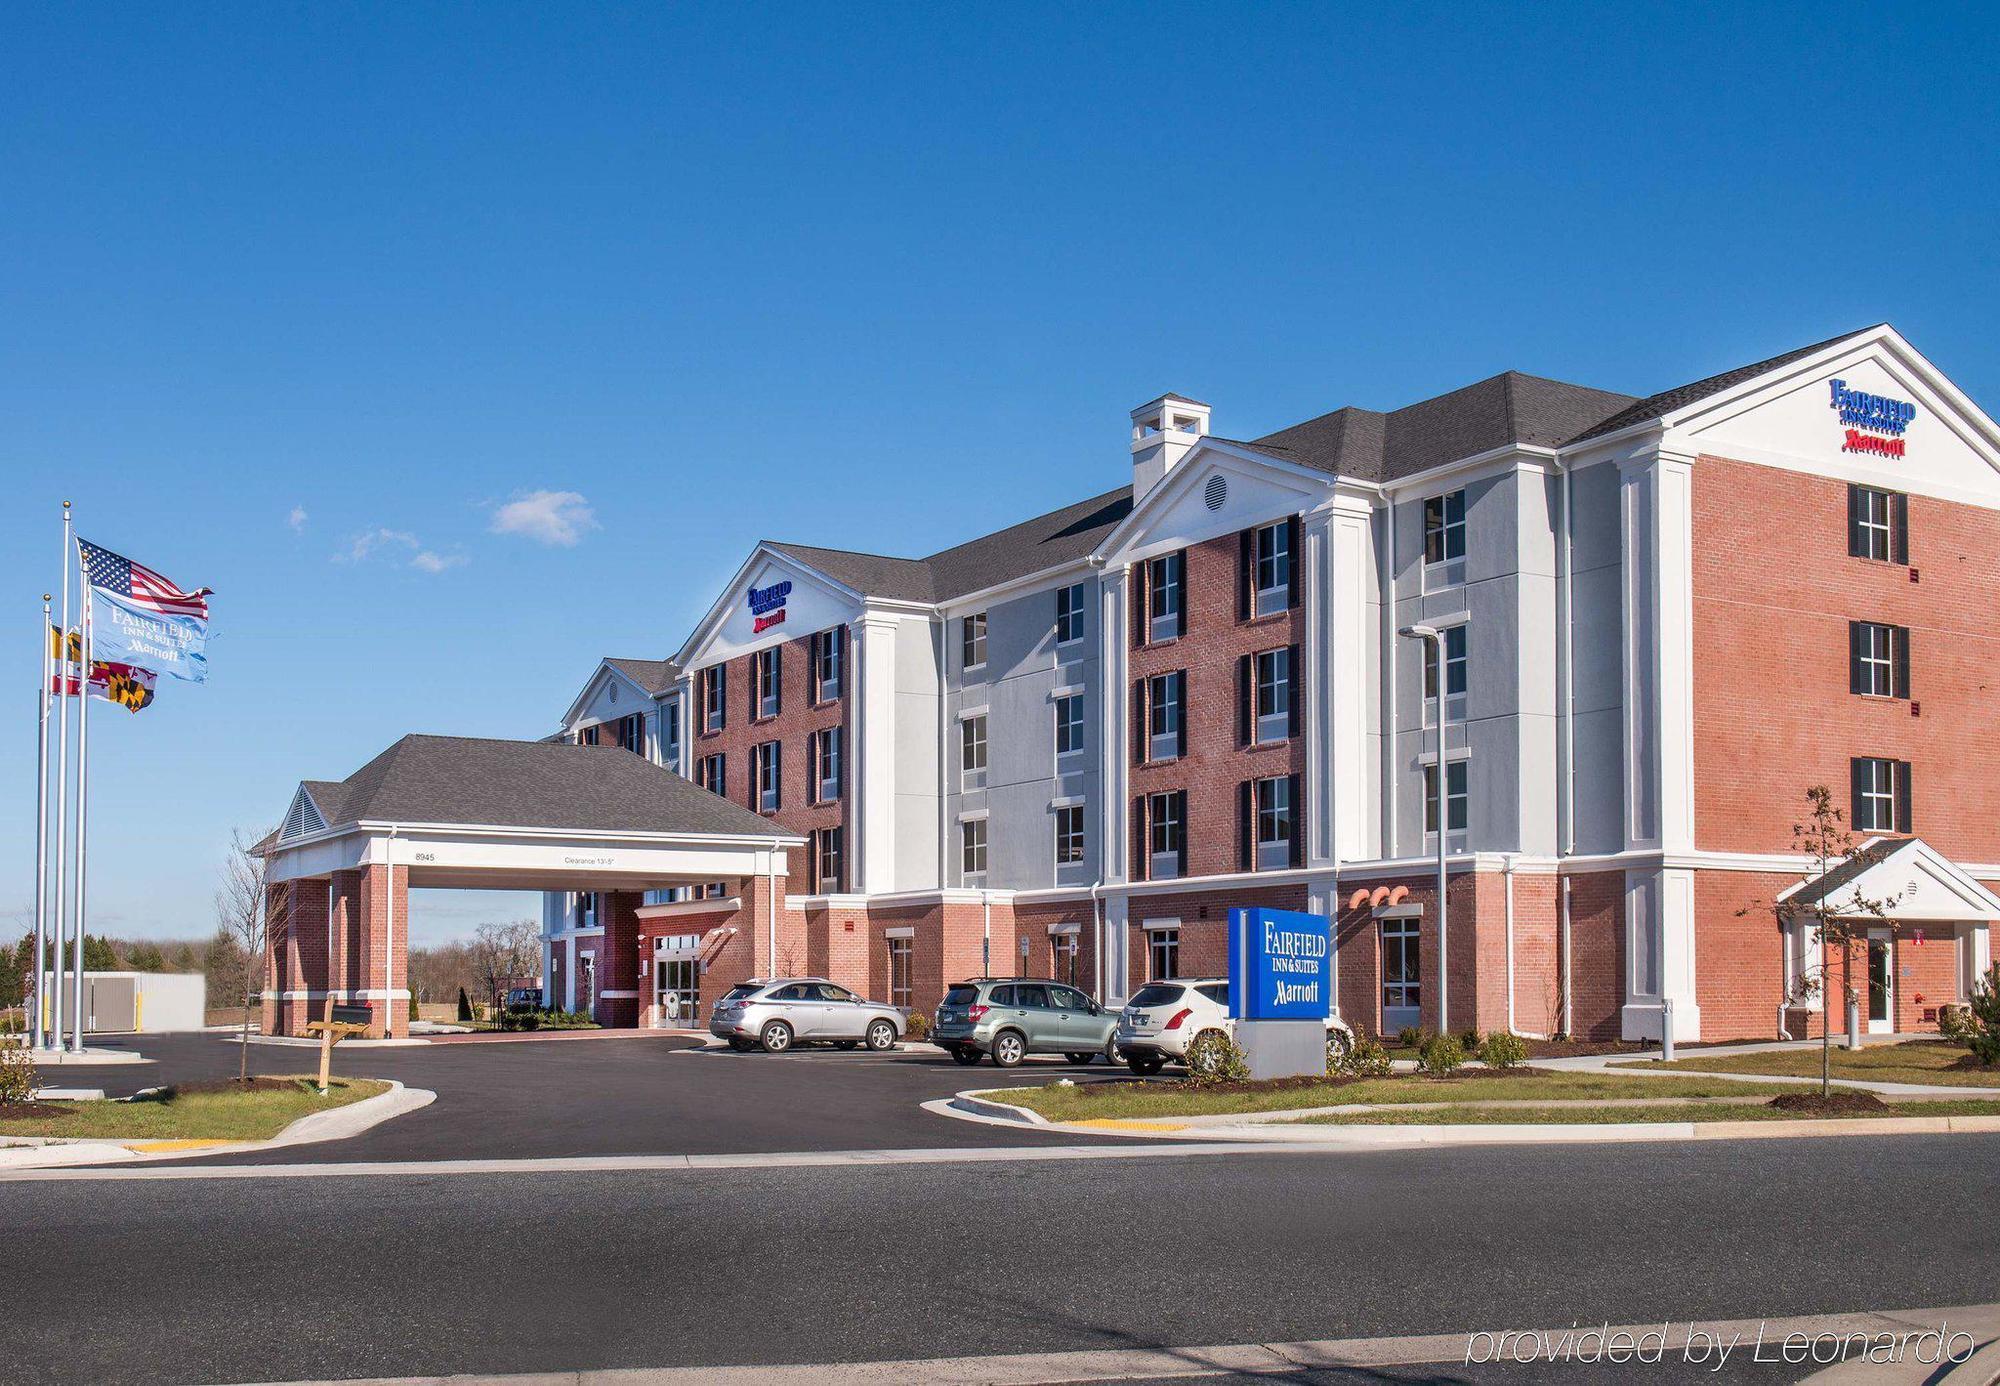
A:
(1621, 1065)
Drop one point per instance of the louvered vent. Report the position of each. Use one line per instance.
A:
(1217, 493)
(304, 818)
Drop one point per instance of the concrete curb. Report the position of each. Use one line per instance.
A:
(1283, 1128)
(41, 1152)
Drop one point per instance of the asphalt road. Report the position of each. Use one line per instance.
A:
(262, 1278)
(602, 1096)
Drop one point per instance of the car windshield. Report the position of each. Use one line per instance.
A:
(961, 995)
(1157, 994)
(741, 990)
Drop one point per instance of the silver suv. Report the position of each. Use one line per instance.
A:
(774, 1015)
(1013, 1017)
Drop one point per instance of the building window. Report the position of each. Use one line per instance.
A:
(1065, 959)
(1271, 568)
(670, 734)
(1455, 795)
(708, 773)
(826, 765)
(765, 776)
(1166, 829)
(632, 733)
(972, 642)
(588, 736)
(972, 752)
(764, 680)
(1444, 527)
(1069, 724)
(1878, 524)
(1166, 722)
(1163, 954)
(1878, 659)
(1454, 663)
(586, 910)
(972, 851)
(826, 860)
(1275, 824)
(1069, 835)
(587, 978)
(1166, 607)
(1881, 795)
(713, 692)
(900, 989)
(1272, 673)
(826, 656)
(1069, 614)
(1402, 962)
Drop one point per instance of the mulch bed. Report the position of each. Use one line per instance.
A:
(1969, 1063)
(1833, 1104)
(1304, 1080)
(27, 1111)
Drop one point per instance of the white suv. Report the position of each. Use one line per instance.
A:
(1163, 1019)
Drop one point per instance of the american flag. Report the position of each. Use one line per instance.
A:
(140, 585)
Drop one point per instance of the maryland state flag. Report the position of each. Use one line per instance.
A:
(124, 684)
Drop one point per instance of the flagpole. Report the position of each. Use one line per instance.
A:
(82, 809)
(38, 991)
(62, 795)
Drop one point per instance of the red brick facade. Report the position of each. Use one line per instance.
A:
(348, 933)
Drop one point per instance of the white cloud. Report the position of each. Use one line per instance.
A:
(297, 519)
(368, 541)
(431, 562)
(547, 517)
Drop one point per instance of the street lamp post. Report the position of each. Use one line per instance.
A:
(1435, 638)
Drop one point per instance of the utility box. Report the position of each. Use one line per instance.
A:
(134, 1002)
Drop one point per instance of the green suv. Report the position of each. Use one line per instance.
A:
(1013, 1017)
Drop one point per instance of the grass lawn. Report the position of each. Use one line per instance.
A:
(1087, 1101)
(201, 1113)
(1915, 1061)
(1600, 1116)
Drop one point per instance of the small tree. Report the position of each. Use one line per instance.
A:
(1981, 1028)
(1823, 836)
(253, 919)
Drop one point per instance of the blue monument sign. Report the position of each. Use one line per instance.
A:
(1278, 965)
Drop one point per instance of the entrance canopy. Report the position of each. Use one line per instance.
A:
(1912, 879)
(470, 813)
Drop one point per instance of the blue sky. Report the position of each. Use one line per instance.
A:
(297, 299)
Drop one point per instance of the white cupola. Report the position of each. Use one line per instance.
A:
(1163, 432)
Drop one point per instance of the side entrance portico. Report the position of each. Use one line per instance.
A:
(462, 813)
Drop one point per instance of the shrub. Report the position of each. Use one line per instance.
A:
(464, 1005)
(1982, 1021)
(1470, 1039)
(917, 1027)
(1409, 1037)
(1952, 1023)
(1503, 1049)
(413, 1007)
(1366, 1058)
(1440, 1055)
(1214, 1058)
(18, 1078)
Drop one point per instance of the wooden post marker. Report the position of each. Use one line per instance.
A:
(339, 1023)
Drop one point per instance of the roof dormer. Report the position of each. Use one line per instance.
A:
(1163, 431)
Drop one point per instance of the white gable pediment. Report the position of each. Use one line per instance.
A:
(611, 693)
(1912, 880)
(302, 818)
(1891, 420)
(1215, 490)
(773, 598)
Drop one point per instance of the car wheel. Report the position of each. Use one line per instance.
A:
(1079, 1059)
(1112, 1054)
(1009, 1048)
(1145, 1065)
(741, 1046)
(776, 1037)
(1338, 1045)
(881, 1036)
(966, 1054)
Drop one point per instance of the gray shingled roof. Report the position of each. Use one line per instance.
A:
(654, 675)
(1667, 401)
(528, 784)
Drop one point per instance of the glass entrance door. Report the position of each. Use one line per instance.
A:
(1881, 1011)
(677, 991)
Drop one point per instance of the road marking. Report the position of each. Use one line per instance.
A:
(1981, 1322)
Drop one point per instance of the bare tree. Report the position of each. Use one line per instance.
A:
(1837, 859)
(252, 919)
(502, 953)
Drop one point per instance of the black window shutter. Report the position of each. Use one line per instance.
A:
(1180, 713)
(1298, 820)
(1857, 546)
(778, 774)
(1294, 546)
(1294, 711)
(1142, 735)
(1903, 797)
(1141, 604)
(1140, 842)
(1899, 650)
(840, 639)
(1246, 699)
(1180, 620)
(1899, 528)
(1854, 647)
(1246, 826)
(1856, 783)
(1246, 571)
(778, 676)
(722, 693)
(1181, 803)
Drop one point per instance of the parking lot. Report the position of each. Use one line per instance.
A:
(613, 1094)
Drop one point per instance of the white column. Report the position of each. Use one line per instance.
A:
(874, 649)
(1114, 704)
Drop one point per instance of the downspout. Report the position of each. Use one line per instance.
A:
(1097, 928)
(986, 934)
(1567, 620)
(771, 906)
(1568, 1010)
(1509, 873)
